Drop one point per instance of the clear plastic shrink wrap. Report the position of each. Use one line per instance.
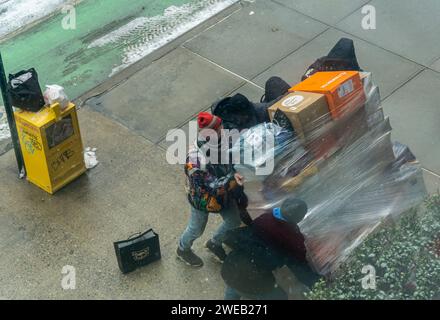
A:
(341, 162)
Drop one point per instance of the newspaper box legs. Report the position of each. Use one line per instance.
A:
(52, 147)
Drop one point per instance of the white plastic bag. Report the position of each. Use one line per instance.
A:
(55, 93)
(90, 158)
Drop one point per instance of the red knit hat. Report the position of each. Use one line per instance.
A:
(208, 121)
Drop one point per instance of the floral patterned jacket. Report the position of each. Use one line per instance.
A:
(210, 187)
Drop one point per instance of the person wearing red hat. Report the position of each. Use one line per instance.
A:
(211, 188)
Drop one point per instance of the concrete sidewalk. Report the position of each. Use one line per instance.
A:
(134, 188)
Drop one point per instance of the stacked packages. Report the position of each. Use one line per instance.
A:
(333, 149)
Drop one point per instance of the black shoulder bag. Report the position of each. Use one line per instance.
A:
(137, 251)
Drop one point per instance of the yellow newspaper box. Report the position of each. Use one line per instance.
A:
(52, 147)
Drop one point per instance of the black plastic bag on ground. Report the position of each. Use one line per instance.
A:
(341, 58)
(24, 90)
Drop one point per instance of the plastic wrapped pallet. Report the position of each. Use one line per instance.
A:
(347, 172)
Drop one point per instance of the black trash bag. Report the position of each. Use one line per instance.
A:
(275, 88)
(237, 112)
(25, 92)
(341, 58)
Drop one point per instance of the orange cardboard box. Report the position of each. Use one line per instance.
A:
(343, 90)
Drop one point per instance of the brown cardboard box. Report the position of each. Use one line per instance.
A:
(306, 111)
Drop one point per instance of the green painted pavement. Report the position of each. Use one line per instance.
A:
(63, 57)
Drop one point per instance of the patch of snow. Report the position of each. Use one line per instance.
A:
(120, 33)
(15, 14)
(90, 158)
(4, 127)
(22, 173)
(151, 33)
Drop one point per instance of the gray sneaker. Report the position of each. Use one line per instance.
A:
(189, 257)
